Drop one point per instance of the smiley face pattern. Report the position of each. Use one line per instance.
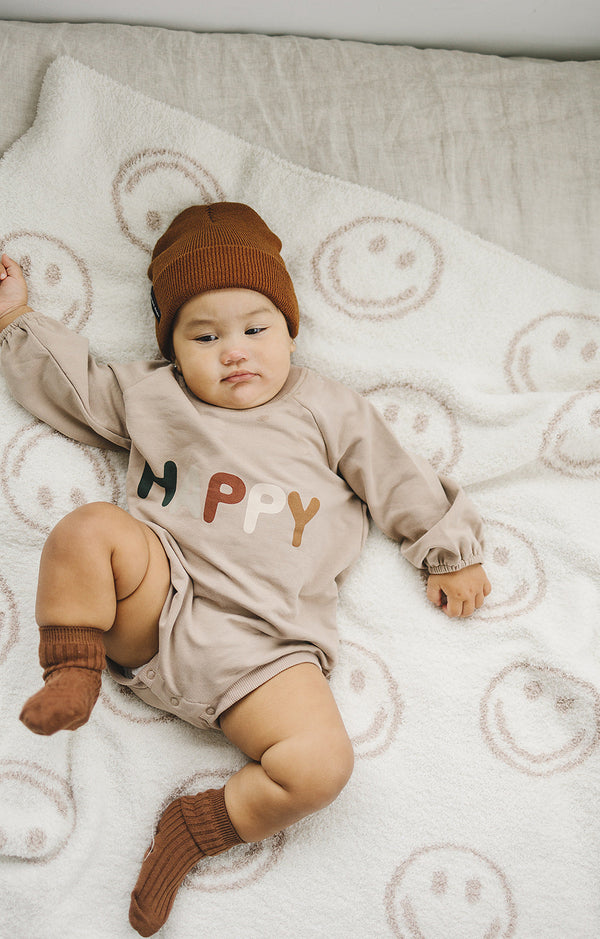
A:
(37, 815)
(557, 351)
(422, 421)
(561, 352)
(152, 186)
(571, 442)
(515, 567)
(377, 267)
(58, 279)
(450, 892)
(539, 719)
(372, 703)
(37, 493)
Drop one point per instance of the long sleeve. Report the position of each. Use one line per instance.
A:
(432, 519)
(50, 372)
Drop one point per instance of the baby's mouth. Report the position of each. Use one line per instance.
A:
(239, 376)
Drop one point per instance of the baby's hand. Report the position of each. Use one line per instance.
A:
(13, 291)
(461, 592)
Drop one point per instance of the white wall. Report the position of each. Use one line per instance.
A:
(553, 28)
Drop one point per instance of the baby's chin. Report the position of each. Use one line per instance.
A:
(242, 396)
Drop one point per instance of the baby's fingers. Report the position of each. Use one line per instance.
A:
(13, 291)
(9, 268)
(462, 605)
(435, 594)
(458, 606)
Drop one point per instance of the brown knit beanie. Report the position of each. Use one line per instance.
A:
(208, 247)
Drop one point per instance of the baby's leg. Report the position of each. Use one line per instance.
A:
(302, 758)
(291, 728)
(103, 580)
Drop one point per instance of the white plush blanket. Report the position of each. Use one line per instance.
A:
(474, 809)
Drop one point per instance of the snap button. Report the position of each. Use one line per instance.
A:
(151, 673)
(174, 701)
(210, 710)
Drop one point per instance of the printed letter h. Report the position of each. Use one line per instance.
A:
(168, 481)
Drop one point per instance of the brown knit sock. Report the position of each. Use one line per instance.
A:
(190, 828)
(72, 658)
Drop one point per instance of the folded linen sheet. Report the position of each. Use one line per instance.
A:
(473, 809)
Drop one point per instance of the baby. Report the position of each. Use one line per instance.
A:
(214, 596)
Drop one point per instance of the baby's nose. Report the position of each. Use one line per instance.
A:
(232, 356)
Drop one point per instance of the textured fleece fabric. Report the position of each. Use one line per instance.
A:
(261, 512)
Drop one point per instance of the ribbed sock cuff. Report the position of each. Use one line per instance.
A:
(208, 821)
(71, 647)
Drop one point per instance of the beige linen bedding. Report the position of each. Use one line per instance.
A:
(507, 148)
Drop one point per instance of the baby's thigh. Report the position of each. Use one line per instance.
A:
(297, 704)
(142, 582)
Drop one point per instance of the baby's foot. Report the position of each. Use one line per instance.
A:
(172, 855)
(190, 828)
(64, 703)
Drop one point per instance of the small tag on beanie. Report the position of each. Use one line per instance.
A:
(155, 307)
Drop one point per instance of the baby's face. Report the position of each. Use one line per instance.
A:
(232, 347)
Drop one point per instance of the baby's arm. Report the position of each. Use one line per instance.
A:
(459, 593)
(13, 291)
(49, 371)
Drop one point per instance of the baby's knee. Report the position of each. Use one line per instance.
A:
(327, 764)
(83, 527)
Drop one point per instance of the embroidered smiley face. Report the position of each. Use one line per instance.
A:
(37, 493)
(369, 699)
(555, 352)
(516, 570)
(571, 443)
(39, 813)
(540, 720)
(58, 280)
(450, 892)
(152, 186)
(422, 422)
(377, 267)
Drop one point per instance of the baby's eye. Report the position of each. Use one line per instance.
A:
(255, 330)
(210, 338)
